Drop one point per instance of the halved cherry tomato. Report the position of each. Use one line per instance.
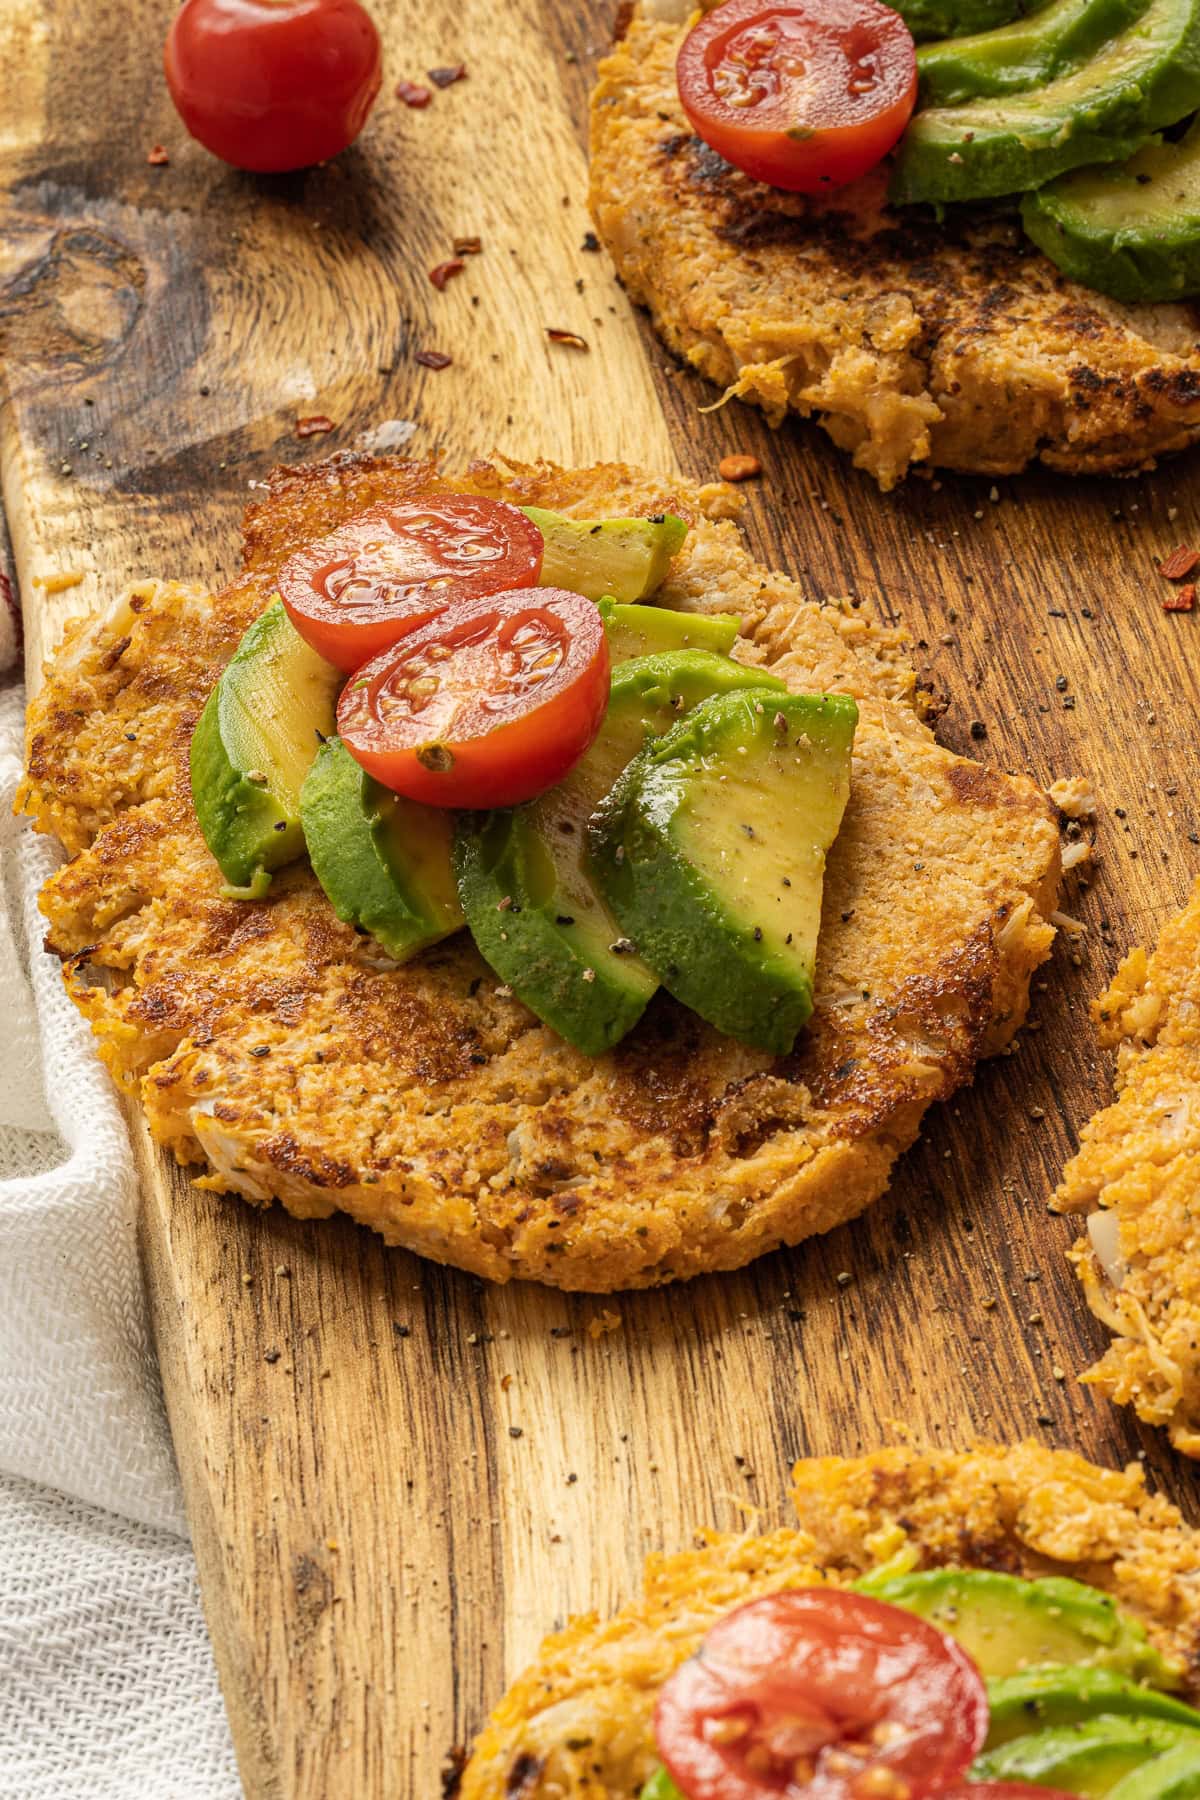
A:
(273, 84)
(487, 705)
(392, 568)
(804, 94)
(824, 1694)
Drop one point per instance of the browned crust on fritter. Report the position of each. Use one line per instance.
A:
(277, 1045)
(956, 344)
(577, 1724)
(1139, 1161)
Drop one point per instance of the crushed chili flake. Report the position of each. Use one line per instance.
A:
(1182, 600)
(413, 93)
(467, 246)
(571, 338)
(433, 359)
(445, 78)
(444, 271)
(738, 468)
(158, 158)
(1179, 565)
(314, 425)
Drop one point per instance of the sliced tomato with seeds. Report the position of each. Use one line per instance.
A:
(819, 1694)
(393, 568)
(804, 94)
(487, 705)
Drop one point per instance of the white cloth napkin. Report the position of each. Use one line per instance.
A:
(107, 1685)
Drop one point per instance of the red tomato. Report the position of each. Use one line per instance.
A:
(273, 84)
(805, 94)
(487, 705)
(823, 1694)
(392, 568)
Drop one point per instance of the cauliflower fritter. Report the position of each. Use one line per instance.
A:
(952, 343)
(285, 1051)
(577, 1725)
(1137, 1177)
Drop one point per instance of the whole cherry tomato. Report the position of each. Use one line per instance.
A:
(393, 568)
(486, 705)
(804, 94)
(273, 84)
(821, 1694)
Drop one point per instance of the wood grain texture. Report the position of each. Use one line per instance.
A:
(430, 1473)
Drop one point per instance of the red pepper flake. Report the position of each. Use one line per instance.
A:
(158, 158)
(738, 468)
(413, 93)
(314, 425)
(445, 78)
(570, 338)
(1182, 600)
(433, 359)
(1179, 565)
(467, 246)
(442, 274)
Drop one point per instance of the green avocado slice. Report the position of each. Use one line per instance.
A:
(1022, 55)
(1087, 1758)
(626, 558)
(710, 850)
(1062, 1694)
(1142, 79)
(1131, 231)
(383, 860)
(523, 876)
(928, 19)
(1008, 1625)
(252, 747)
(1175, 1775)
(651, 630)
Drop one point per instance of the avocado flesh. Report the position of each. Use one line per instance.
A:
(1131, 231)
(1142, 79)
(1175, 1775)
(253, 744)
(710, 850)
(928, 19)
(1009, 1625)
(1063, 1694)
(660, 1787)
(1087, 1758)
(383, 860)
(650, 630)
(1022, 55)
(627, 558)
(523, 875)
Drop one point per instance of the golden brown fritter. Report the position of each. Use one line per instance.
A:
(285, 1050)
(955, 344)
(577, 1725)
(1137, 1176)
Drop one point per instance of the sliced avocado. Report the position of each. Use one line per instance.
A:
(1144, 78)
(1008, 1625)
(1131, 231)
(627, 558)
(1022, 55)
(1088, 1758)
(1064, 1694)
(711, 847)
(928, 19)
(523, 875)
(252, 746)
(651, 630)
(661, 1787)
(383, 861)
(1175, 1775)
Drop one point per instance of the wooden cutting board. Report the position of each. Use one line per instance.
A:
(432, 1472)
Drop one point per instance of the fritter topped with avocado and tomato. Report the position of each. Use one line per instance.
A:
(638, 1060)
(938, 1623)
